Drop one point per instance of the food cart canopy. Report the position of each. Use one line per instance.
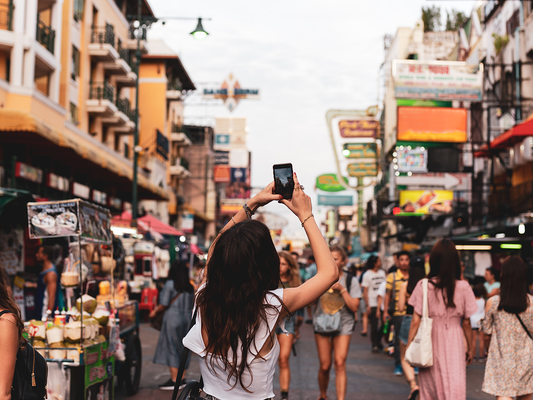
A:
(160, 226)
(9, 195)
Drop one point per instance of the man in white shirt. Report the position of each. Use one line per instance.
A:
(372, 280)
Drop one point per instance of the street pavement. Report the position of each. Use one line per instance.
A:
(369, 375)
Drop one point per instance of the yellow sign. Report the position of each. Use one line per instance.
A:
(421, 202)
(363, 169)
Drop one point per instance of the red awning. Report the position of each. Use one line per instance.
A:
(160, 226)
(509, 138)
(195, 249)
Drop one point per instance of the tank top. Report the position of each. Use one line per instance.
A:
(261, 381)
(41, 292)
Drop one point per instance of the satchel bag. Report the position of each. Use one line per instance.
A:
(156, 321)
(31, 374)
(327, 324)
(420, 351)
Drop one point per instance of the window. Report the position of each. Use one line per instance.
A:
(73, 114)
(78, 10)
(75, 67)
(126, 150)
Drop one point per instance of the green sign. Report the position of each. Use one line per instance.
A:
(99, 372)
(423, 103)
(363, 169)
(328, 200)
(329, 183)
(360, 150)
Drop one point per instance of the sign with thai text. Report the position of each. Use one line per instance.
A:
(329, 183)
(359, 128)
(363, 169)
(360, 150)
(28, 172)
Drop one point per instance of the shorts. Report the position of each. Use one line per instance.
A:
(404, 330)
(347, 325)
(289, 325)
(475, 329)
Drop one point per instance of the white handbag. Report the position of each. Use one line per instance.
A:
(420, 351)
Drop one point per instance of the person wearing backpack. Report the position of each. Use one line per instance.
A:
(334, 323)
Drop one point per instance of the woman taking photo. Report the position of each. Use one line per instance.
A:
(451, 303)
(417, 272)
(289, 278)
(177, 298)
(240, 304)
(343, 298)
(11, 328)
(509, 322)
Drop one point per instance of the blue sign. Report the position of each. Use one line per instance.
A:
(238, 175)
(335, 201)
(222, 139)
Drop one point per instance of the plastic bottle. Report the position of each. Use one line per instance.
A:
(386, 327)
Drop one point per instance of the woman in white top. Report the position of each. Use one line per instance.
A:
(240, 305)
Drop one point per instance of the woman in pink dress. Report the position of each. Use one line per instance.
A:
(451, 303)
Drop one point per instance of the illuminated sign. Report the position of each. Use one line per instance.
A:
(360, 150)
(363, 169)
(231, 93)
(432, 124)
(360, 128)
(412, 159)
(422, 202)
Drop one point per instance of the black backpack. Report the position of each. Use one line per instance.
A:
(349, 278)
(31, 374)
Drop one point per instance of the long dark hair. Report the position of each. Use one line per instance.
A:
(179, 273)
(513, 290)
(371, 263)
(417, 272)
(445, 265)
(7, 302)
(243, 267)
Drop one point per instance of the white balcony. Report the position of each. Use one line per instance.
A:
(180, 139)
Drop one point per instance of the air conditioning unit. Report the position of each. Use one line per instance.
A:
(527, 149)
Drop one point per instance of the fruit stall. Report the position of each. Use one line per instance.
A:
(96, 340)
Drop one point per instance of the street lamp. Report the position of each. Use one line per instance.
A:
(142, 24)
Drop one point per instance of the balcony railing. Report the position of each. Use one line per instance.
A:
(124, 106)
(174, 85)
(123, 52)
(103, 35)
(184, 163)
(6, 15)
(45, 35)
(175, 127)
(102, 91)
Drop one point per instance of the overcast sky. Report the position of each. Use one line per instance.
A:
(305, 56)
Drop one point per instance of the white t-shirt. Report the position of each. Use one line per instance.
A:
(381, 292)
(372, 280)
(479, 314)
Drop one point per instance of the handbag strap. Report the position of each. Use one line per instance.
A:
(524, 326)
(425, 312)
(183, 361)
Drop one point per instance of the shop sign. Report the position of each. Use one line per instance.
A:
(238, 175)
(360, 150)
(221, 157)
(363, 169)
(330, 183)
(53, 219)
(28, 172)
(80, 190)
(231, 206)
(449, 181)
(360, 128)
(58, 182)
(115, 202)
(231, 93)
(432, 124)
(412, 159)
(422, 202)
(221, 174)
(335, 201)
(99, 372)
(437, 80)
(187, 223)
(95, 223)
(222, 141)
(99, 197)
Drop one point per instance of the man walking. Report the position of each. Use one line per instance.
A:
(371, 281)
(394, 281)
(48, 283)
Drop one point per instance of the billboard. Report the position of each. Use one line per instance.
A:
(335, 201)
(329, 183)
(432, 124)
(412, 159)
(439, 80)
(422, 202)
(222, 141)
(221, 157)
(363, 169)
(222, 173)
(359, 128)
(360, 150)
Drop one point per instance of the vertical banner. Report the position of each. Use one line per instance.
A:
(99, 372)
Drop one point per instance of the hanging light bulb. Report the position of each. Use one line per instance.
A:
(199, 33)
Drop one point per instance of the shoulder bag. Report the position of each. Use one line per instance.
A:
(326, 324)
(420, 351)
(31, 374)
(156, 321)
(524, 326)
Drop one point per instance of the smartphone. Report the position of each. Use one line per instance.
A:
(283, 180)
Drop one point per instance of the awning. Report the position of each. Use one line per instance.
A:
(87, 147)
(195, 249)
(509, 138)
(144, 228)
(10, 196)
(160, 226)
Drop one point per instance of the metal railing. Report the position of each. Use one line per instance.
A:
(103, 34)
(45, 35)
(6, 16)
(184, 163)
(174, 85)
(102, 91)
(175, 127)
(123, 52)
(124, 106)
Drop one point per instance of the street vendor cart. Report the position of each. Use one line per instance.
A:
(97, 339)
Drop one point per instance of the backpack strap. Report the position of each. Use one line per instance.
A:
(349, 278)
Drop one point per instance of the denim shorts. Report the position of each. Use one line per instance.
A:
(289, 325)
(404, 330)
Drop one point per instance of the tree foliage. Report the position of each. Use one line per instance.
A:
(431, 18)
(455, 20)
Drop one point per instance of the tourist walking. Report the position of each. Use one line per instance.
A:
(177, 297)
(417, 272)
(451, 303)
(509, 322)
(240, 304)
(492, 284)
(289, 278)
(342, 301)
(392, 313)
(371, 281)
(479, 337)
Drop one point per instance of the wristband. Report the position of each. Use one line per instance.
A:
(344, 291)
(310, 215)
(248, 211)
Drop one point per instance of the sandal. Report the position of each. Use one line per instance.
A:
(414, 394)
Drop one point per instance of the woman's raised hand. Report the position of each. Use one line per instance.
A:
(264, 197)
(300, 204)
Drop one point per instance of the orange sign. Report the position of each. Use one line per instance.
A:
(222, 173)
(432, 124)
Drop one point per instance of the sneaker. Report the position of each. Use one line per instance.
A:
(398, 370)
(416, 370)
(168, 385)
(284, 395)
(375, 349)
